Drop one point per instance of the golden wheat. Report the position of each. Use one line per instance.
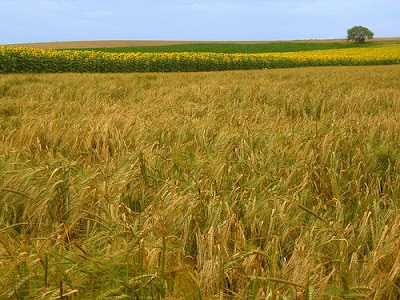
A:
(271, 184)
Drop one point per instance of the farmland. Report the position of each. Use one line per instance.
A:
(257, 184)
(238, 48)
(151, 43)
(32, 60)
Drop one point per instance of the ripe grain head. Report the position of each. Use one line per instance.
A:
(198, 184)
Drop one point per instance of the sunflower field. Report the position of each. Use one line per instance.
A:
(32, 60)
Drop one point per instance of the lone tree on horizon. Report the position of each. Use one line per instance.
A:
(359, 34)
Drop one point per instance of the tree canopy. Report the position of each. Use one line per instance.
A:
(359, 34)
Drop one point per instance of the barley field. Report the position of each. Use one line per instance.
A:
(268, 184)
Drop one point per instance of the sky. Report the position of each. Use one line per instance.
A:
(24, 21)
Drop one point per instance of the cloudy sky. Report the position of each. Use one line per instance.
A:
(70, 20)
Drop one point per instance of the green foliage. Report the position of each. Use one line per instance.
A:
(31, 60)
(359, 34)
(232, 48)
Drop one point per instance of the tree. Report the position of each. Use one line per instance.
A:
(359, 34)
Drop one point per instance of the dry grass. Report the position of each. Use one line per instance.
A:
(133, 43)
(270, 184)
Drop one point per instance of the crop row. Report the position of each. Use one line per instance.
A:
(30, 60)
(239, 48)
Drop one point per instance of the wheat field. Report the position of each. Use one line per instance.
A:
(273, 184)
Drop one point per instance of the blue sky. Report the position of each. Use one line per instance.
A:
(71, 20)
